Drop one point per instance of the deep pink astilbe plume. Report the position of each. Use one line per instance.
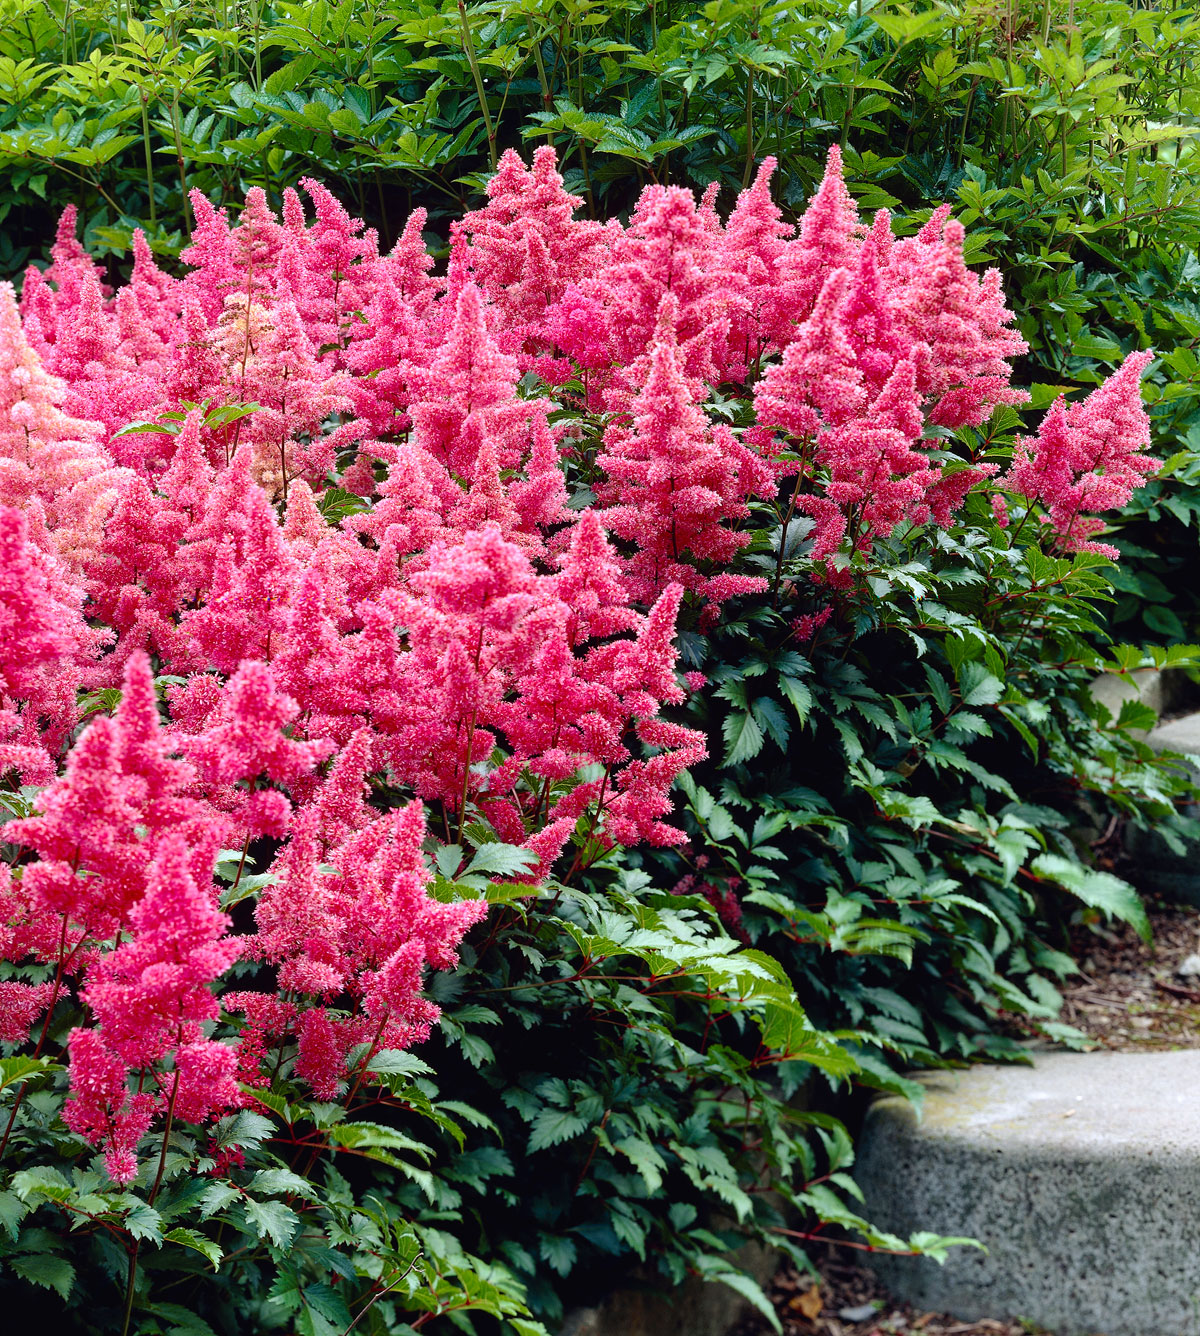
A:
(295, 396)
(102, 1109)
(210, 256)
(608, 321)
(964, 323)
(830, 236)
(527, 246)
(46, 649)
(818, 382)
(96, 828)
(468, 377)
(755, 248)
(1087, 456)
(672, 482)
(150, 997)
(244, 743)
(349, 913)
(339, 261)
(874, 473)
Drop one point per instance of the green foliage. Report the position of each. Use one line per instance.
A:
(908, 804)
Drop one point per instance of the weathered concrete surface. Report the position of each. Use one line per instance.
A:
(1081, 1174)
(1148, 686)
(697, 1308)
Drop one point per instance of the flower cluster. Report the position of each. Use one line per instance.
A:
(380, 560)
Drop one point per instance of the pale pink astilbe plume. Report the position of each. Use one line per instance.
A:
(964, 322)
(304, 527)
(818, 382)
(1087, 456)
(46, 649)
(754, 244)
(830, 236)
(210, 255)
(527, 245)
(239, 336)
(47, 456)
(244, 742)
(674, 486)
(468, 376)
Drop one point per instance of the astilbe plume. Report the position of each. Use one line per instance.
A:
(150, 997)
(1087, 456)
(671, 481)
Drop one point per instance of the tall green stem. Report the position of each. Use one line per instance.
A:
(469, 48)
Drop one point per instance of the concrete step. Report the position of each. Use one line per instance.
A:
(1081, 1174)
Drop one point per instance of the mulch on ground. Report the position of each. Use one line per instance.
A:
(848, 1300)
(1128, 995)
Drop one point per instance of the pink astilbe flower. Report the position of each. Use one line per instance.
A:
(102, 1109)
(213, 271)
(353, 916)
(468, 377)
(96, 829)
(244, 741)
(527, 245)
(46, 649)
(755, 247)
(608, 321)
(818, 382)
(1087, 456)
(296, 396)
(963, 321)
(830, 236)
(150, 997)
(672, 480)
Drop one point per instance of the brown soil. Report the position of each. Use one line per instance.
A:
(834, 1305)
(1127, 996)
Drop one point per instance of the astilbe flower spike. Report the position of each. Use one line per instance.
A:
(1087, 456)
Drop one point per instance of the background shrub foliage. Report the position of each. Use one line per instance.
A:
(901, 807)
